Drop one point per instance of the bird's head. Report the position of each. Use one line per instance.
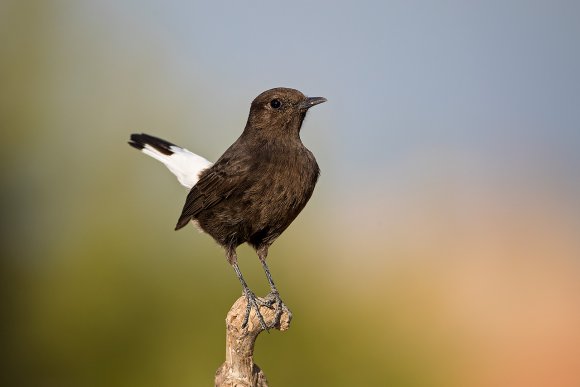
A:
(280, 110)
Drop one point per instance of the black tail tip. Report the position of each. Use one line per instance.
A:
(139, 140)
(136, 145)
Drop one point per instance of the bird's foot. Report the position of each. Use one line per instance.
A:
(255, 302)
(274, 300)
(271, 301)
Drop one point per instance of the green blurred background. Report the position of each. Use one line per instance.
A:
(441, 247)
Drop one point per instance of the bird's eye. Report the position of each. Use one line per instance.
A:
(275, 103)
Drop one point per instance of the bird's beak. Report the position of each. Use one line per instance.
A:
(311, 101)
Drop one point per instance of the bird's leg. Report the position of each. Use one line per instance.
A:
(262, 254)
(252, 300)
(250, 296)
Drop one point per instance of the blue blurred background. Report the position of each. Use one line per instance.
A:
(441, 247)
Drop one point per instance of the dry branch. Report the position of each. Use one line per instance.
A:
(239, 369)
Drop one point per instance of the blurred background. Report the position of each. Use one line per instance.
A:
(441, 246)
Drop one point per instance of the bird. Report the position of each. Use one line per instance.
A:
(255, 190)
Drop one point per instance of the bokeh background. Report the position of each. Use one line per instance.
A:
(441, 247)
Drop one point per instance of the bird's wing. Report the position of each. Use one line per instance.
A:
(184, 164)
(224, 179)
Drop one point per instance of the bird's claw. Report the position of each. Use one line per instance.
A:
(254, 302)
(274, 299)
(271, 301)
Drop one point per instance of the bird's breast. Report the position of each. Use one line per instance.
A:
(271, 197)
(284, 185)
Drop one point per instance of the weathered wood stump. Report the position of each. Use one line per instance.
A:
(239, 369)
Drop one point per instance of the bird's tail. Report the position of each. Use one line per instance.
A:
(182, 163)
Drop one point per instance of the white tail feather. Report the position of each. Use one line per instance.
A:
(182, 163)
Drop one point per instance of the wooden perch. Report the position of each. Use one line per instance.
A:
(239, 369)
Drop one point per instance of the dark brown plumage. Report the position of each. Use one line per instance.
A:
(261, 183)
(257, 187)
